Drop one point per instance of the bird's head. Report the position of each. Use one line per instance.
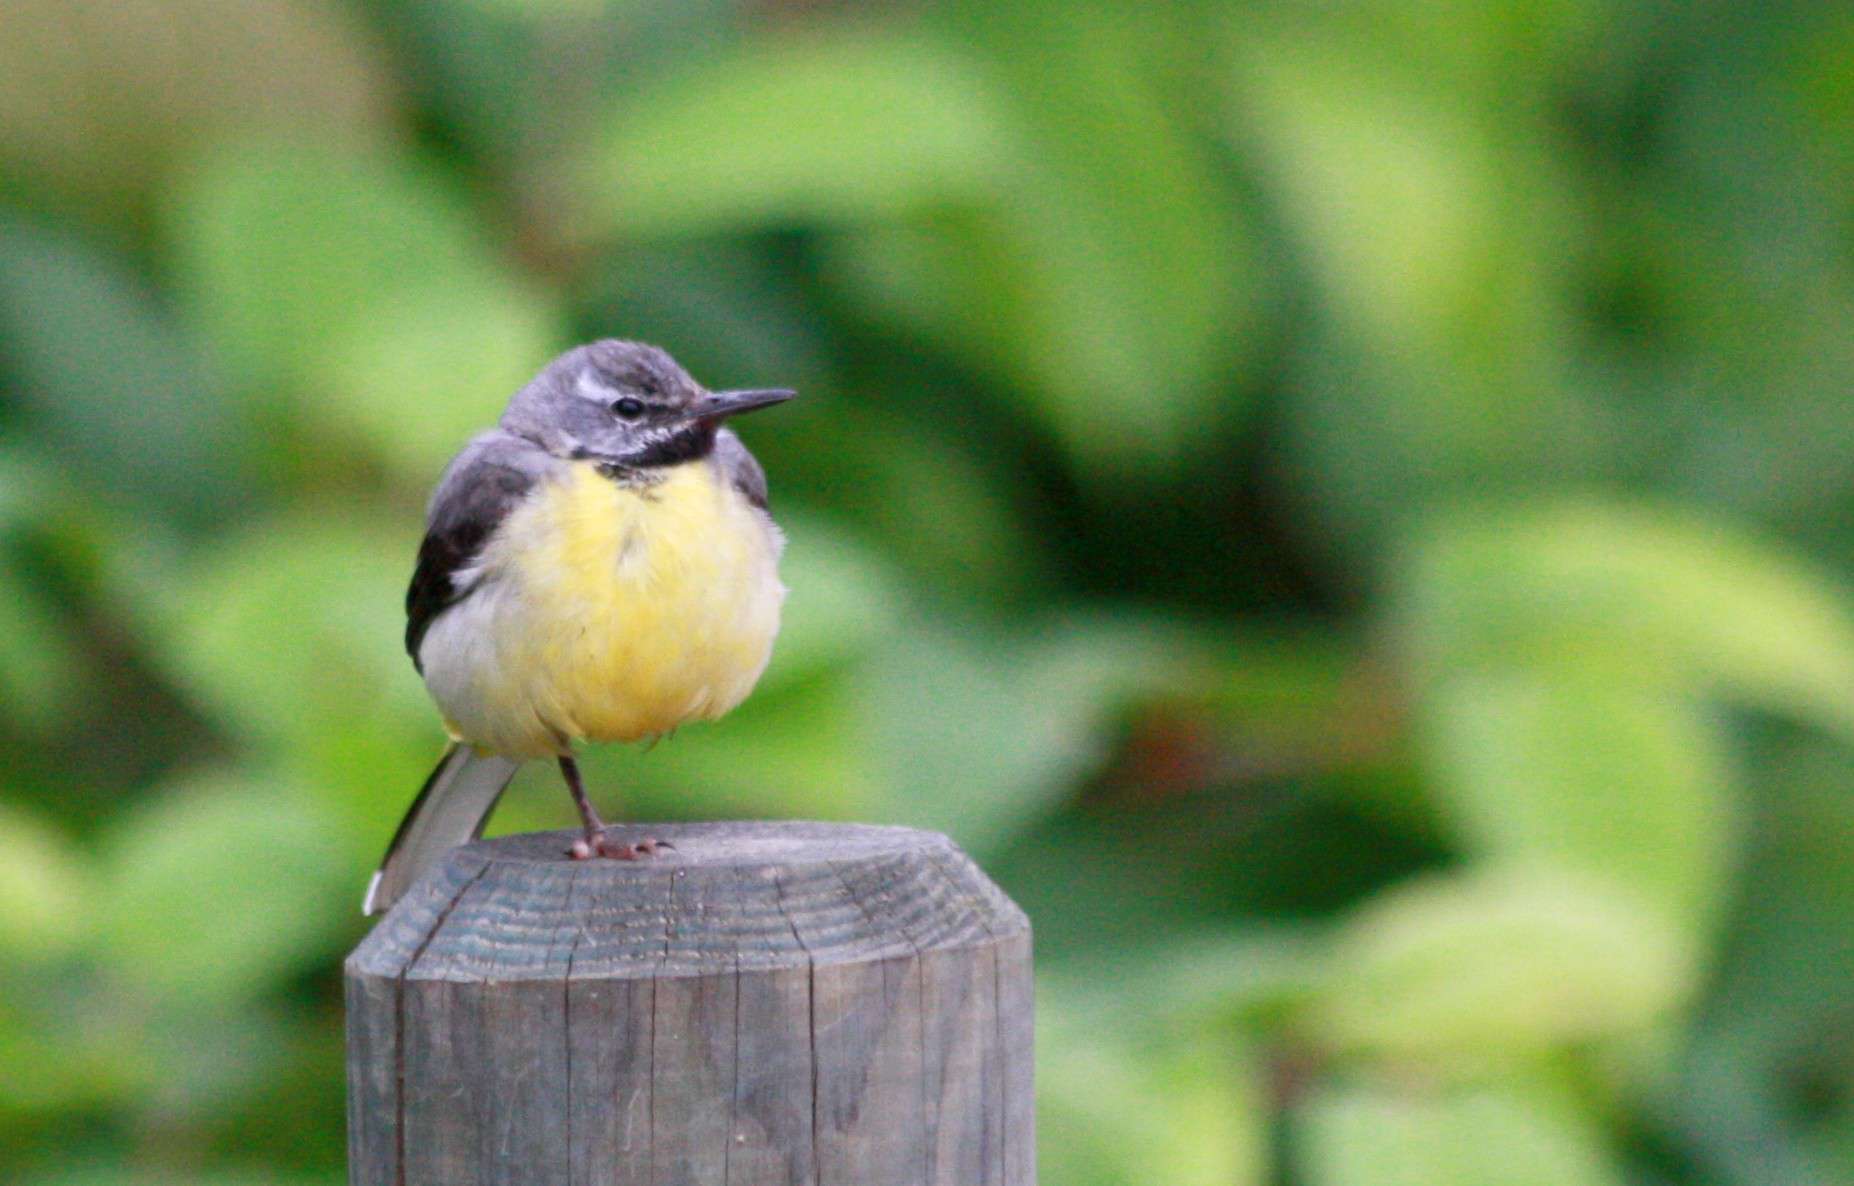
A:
(626, 404)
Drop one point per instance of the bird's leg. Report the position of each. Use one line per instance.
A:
(594, 842)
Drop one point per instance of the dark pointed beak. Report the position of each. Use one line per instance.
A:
(719, 405)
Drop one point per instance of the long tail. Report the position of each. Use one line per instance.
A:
(451, 809)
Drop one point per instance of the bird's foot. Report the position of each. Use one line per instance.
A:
(600, 845)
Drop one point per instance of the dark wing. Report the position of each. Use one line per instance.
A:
(471, 504)
(741, 468)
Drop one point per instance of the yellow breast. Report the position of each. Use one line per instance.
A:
(629, 610)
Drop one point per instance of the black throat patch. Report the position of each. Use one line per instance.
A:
(686, 444)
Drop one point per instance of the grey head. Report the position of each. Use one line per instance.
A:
(627, 405)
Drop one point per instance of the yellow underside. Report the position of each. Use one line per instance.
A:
(620, 613)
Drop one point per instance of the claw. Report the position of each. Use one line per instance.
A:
(617, 850)
(596, 843)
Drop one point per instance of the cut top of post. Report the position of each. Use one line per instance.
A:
(740, 896)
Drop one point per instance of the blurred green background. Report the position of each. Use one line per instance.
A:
(1346, 510)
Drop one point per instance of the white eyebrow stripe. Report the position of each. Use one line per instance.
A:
(589, 388)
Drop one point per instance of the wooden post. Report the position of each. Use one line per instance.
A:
(767, 1004)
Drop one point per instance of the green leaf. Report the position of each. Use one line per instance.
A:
(55, 1068)
(290, 635)
(835, 124)
(362, 288)
(209, 1063)
(1655, 595)
(1026, 209)
(1369, 1135)
(298, 616)
(1217, 976)
(1771, 1047)
(223, 886)
(44, 906)
(1128, 353)
(842, 599)
(41, 668)
(420, 381)
(1066, 277)
(1481, 969)
(1407, 232)
(926, 494)
(110, 384)
(969, 736)
(1434, 215)
(1578, 771)
(1182, 1107)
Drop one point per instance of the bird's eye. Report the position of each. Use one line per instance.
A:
(628, 408)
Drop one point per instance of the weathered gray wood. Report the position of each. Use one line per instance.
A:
(768, 1004)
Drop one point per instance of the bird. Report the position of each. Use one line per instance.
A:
(600, 566)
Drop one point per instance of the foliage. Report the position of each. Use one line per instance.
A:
(1344, 509)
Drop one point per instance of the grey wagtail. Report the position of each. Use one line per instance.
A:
(600, 566)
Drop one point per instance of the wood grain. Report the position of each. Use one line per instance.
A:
(767, 1004)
